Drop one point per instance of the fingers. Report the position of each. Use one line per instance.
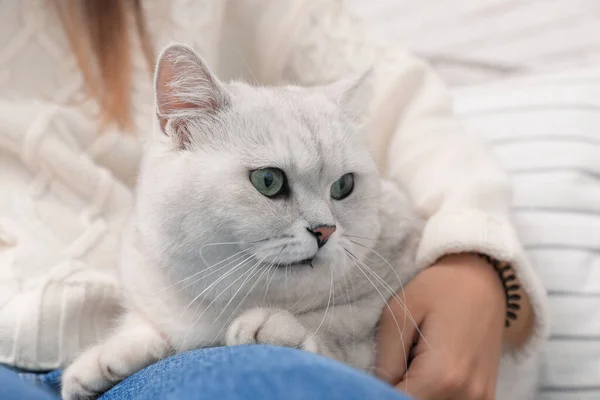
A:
(421, 381)
(449, 387)
(446, 385)
(441, 375)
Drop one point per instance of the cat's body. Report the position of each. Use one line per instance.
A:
(260, 218)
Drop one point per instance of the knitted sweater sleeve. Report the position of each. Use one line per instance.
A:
(60, 214)
(414, 136)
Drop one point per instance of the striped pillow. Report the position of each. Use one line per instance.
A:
(546, 133)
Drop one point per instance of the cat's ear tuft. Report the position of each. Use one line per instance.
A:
(185, 88)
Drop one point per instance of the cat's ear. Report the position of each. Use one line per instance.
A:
(185, 89)
(353, 95)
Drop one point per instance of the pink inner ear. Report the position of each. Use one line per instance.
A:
(208, 105)
(174, 104)
(168, 101)
(185, 86)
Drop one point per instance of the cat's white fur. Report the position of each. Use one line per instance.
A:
(198, 259)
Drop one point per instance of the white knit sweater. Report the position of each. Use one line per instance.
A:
(66, 191)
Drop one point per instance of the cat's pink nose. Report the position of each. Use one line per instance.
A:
(322, 233)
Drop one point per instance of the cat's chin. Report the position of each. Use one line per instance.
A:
(307, 262)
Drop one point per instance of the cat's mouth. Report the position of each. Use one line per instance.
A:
(304, 262)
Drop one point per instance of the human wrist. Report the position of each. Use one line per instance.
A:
(520, 327)
(478, 277)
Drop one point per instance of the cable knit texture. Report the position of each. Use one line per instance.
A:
(66, 191)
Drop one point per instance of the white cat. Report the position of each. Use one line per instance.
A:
(260, 218)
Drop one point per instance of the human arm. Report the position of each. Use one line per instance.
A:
(59, 211)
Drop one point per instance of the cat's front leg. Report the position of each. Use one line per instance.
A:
(275, 327)
(133, 346)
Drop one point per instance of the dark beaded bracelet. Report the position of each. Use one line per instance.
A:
(511, 287)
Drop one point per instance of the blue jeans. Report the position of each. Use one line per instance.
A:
(223, 373)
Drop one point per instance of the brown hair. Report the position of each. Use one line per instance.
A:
(99, 35)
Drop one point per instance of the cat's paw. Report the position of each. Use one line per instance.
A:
(271, 326)
(89, 376)
(101, 367)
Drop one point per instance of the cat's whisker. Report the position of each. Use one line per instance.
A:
(221, 243)
(206, 263)
(349, 303)
(263, 274)
(373, 251)
(256, 271)
(306, 290)
(326, 310)
(273, 274)
(240, 303)
(240, 288)
(226, 243)
(359, 237)
(269, 280)
(250, 271)
(400, 331)
(402, 304)
(201, 249)
(251, 243)
(354, 296)
(244, 258)
(383, 259)
(393, 295)
(333, 279)
(402, 301)
(217, 281)
(235, 257)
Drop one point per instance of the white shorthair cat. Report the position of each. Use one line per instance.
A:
(260, 218)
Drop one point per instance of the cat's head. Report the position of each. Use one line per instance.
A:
(245, 177)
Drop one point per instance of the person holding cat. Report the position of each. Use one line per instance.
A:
(77, 104)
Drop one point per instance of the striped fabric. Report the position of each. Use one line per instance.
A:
(546, 133)
(471, 41)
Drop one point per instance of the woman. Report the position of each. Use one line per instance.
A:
(76, 101)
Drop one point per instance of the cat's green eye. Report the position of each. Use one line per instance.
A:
(268, 181)
(342, 187)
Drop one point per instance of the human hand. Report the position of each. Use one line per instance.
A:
(459, 306)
